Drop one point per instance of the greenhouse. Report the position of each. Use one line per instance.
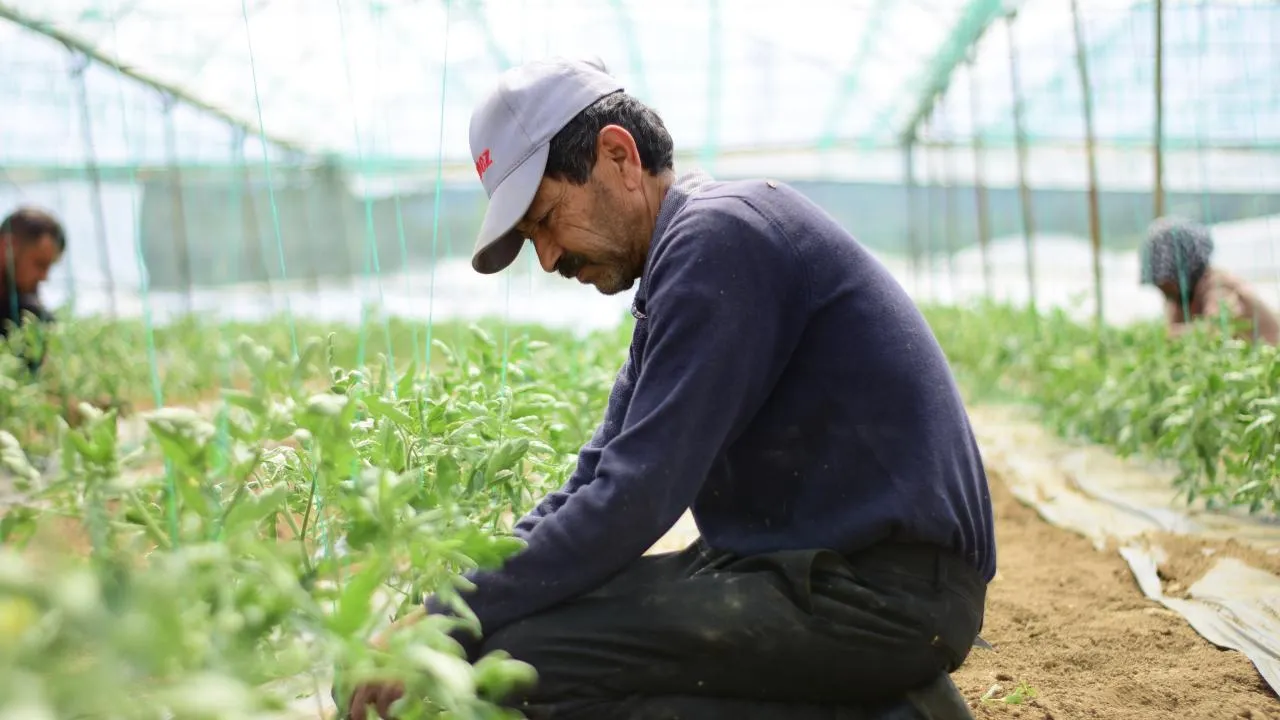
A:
(276, 406)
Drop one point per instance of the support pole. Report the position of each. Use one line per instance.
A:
(930, 213)
(979, 181)
(67, 259)
(947, 176)
(1024, 188)
(234, 259)
(1159, 99)
(79, 64)
(1095, 224)
(913, 237)
(255, 254)
(715, 80)
(180, 241)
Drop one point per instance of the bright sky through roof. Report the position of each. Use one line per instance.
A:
(365, 78)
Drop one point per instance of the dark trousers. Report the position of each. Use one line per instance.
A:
(704, 635)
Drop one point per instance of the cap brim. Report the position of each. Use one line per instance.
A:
(498, 243)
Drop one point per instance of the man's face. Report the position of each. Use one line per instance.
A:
(594, 232)
(31, 261)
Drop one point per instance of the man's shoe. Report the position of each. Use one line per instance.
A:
(940, 700)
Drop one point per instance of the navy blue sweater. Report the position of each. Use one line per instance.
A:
(780, 383)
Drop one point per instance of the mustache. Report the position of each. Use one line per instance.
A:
(569, 264)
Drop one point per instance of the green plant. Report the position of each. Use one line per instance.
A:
(259, 542)
(1206, 403)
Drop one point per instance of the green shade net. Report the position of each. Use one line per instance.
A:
(252, 187)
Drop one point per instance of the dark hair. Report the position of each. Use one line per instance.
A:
(29, 224)
(573, 149)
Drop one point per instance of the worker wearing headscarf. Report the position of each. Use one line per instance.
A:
(1176, 259)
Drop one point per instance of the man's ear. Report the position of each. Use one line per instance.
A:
(615, 146)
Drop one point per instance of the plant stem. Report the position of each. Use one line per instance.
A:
(154, 531)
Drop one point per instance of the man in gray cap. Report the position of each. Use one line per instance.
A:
(783, 386)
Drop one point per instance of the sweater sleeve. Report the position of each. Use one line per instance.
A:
(725, 309)
(588, 457)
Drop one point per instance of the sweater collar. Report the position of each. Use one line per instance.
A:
(684, 187)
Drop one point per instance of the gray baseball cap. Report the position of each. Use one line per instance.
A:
(511, 133)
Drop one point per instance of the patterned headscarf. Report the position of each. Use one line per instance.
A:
(1176, 250)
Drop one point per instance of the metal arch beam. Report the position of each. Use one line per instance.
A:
(871, 140)
(974, 20)
(853, 73)
(77, 44)
(628, 28)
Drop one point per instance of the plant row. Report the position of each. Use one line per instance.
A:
(252, 546)
(1204, 402)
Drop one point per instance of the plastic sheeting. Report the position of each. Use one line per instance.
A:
(1123, 504)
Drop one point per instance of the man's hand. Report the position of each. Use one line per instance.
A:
(381, 694)
(378, 695)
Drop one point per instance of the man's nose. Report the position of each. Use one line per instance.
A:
(548, 253)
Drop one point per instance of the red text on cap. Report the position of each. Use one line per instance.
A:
(483, 163)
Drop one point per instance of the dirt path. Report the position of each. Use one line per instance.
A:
(1070, 622)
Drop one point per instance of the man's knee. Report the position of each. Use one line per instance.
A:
(533, 641)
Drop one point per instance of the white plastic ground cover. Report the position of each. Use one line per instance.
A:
(1111, 501)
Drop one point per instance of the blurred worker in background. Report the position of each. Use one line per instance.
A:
(31, 242)
(781, 384)
(1176, 259)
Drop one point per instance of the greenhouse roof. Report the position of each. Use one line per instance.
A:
(368, 76)
(377, 79)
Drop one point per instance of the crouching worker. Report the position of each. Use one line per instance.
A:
(782, 385)
(31, 242)
(1176, 259)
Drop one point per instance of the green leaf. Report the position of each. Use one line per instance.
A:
(498, 675)
(254, 509)
(248, 401)
(506, 455)
(404, 388)
(387, 410)
(17, 526)
(355, 605)
(452, 675)
(448, 475)
(326, 404)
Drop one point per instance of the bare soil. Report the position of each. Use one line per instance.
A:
(1188, 559)
(1070, 623)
